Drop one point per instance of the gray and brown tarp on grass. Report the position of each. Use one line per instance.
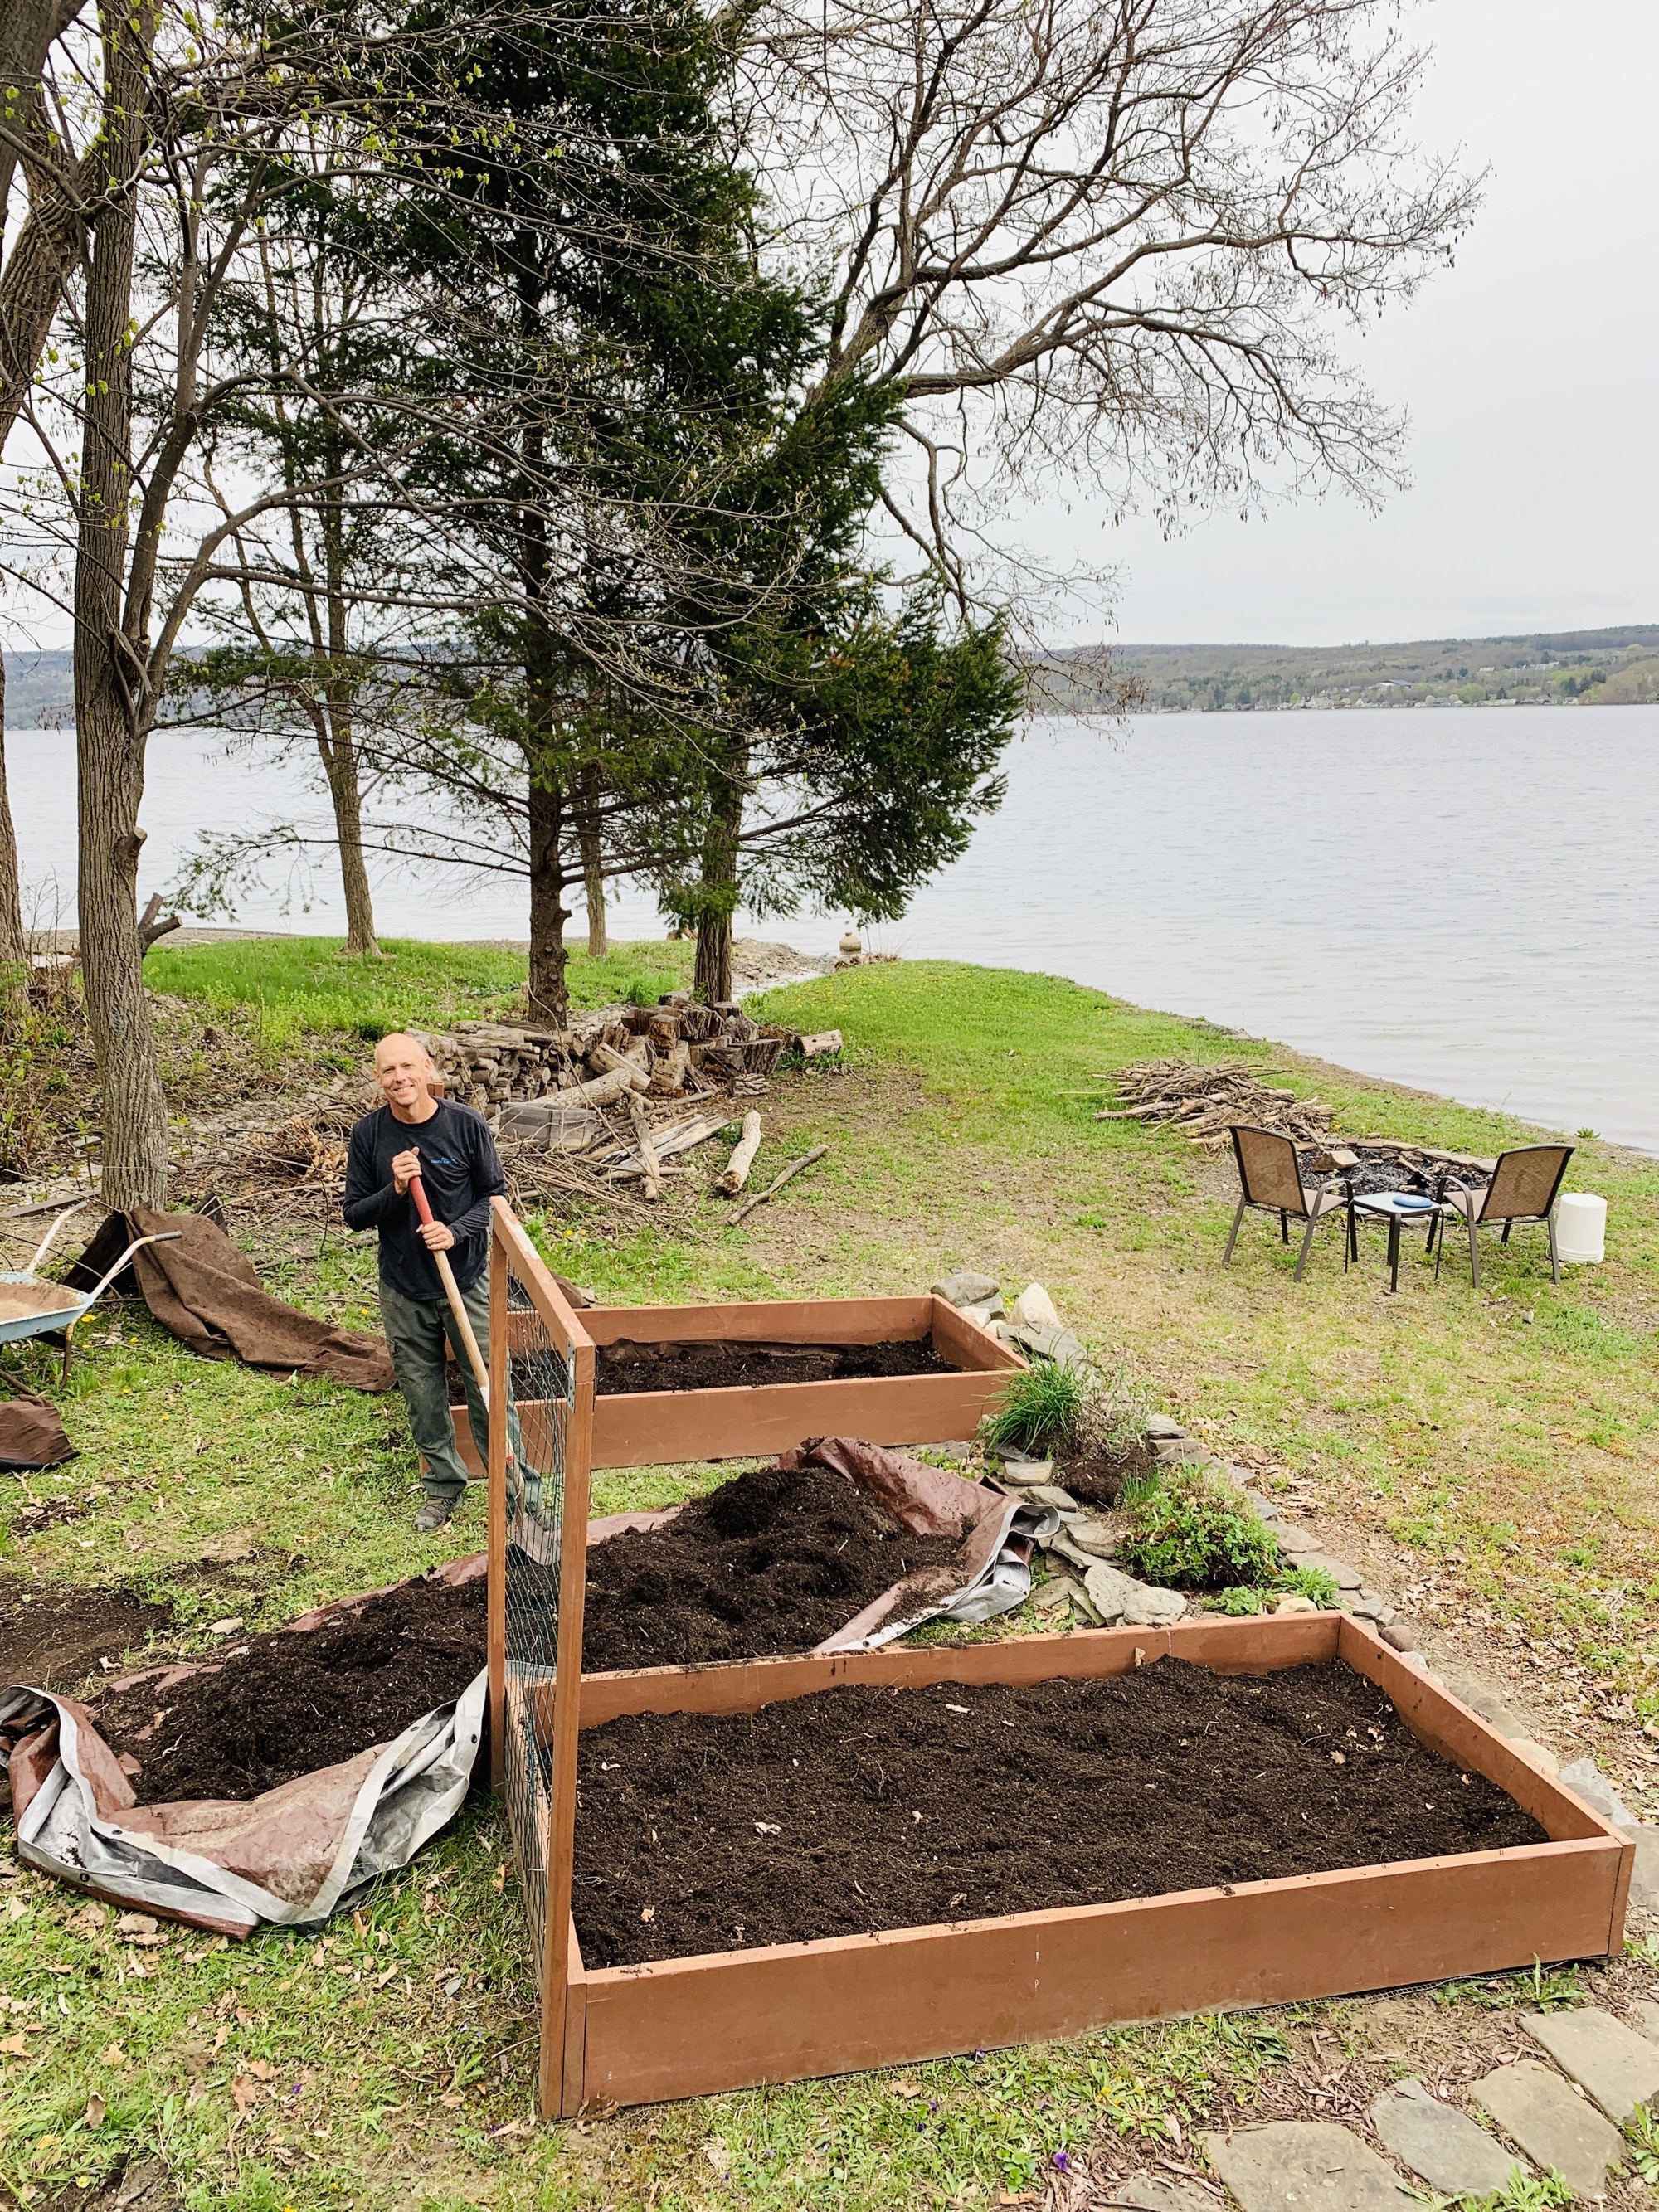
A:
(927, 1501)
(294, 1855)
(205, 1292)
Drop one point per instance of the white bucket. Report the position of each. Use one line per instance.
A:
(1581, 1226)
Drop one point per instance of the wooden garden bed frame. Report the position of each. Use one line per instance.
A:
(685, 2028)
(658, 1428)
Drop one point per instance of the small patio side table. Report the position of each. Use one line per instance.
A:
(1396, 1207)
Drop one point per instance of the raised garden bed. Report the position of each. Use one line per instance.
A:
(1511, 1868)
(776, 1561)
(950, 1374)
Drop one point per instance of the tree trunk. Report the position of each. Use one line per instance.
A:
(340, 763)
(14, 950)
(549, 997)
(112, 705)
(717, 892)
(588, 839)
(340, 759)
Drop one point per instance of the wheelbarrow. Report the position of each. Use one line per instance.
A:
(29, 1306)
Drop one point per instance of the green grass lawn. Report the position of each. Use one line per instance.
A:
(1508, 1433)
(300, 986)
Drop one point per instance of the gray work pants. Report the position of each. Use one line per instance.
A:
(416, 1332)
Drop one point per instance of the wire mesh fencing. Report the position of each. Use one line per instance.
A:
(538, 1513)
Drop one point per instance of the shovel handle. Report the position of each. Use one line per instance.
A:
(447, 1277)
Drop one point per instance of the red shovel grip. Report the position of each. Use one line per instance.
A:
(417, 1192)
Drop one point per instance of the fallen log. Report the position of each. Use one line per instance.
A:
(778, 1181)
(647, 1150)
(736, 1173)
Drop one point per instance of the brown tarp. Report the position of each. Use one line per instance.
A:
(31, 1433)
(292, 1853)
(205, 1291)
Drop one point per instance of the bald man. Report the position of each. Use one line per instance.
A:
(419, 1131)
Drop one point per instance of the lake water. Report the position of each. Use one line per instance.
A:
(1465, 900)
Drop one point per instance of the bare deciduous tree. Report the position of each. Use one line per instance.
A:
(1109, 239)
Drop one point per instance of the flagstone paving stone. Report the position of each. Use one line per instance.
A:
(1552, 2124)
(1439, 2143)
(1306, 2165)
(1618, 2067)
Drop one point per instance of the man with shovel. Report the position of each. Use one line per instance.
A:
(420, 1145)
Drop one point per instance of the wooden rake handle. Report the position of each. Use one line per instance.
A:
(447, 1277)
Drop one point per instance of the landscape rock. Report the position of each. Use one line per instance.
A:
(1293, 1602)
(1035, 1309)
(983, 1315)
(1345, 1577)
(1050, 1494)
(1294, 1540)
(1647, 2018)
(1159, 1425)
(965, 1289)
(1400, 1638)
(1374, 1609)
(1116, 1596)
(1058, 1591)
(1586, 1780)
(1441, 2145)
(1614, 2064)
(1305, 2166)
(1091, 1535)
(1174, 1451)
(1645, 1875)
(1048, 1341)
(1552, 2124)
(1148, 2192)
(1482, 1699)
(1024, 1473)
(1536, 1755)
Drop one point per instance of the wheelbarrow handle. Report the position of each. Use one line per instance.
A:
(160, 1237)
(46, 1243)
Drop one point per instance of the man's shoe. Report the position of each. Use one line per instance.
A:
(434, 1513)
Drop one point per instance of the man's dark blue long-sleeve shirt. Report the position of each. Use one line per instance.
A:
(461, 1172)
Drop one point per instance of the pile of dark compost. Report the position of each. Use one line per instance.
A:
(54, 1635)
(773, 1561)
(720, 1365)
(1098, 1480)
(857, 1810)
(288, 1703)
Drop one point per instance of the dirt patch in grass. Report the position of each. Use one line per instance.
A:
(626, 1366)
(53, 1634)
(770, 1562)
(859, 1809)
(286, 1703)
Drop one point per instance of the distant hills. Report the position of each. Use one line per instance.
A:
(1552, 668)
(1579, 667)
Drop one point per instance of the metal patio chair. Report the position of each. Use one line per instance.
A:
(1270, 1179)
(1524, 1186)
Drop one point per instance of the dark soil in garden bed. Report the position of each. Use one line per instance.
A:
(857, 1810)
(290, 1702)
(1099, 1479)
(770, 1562)
(717, 1365)
(54, 1635)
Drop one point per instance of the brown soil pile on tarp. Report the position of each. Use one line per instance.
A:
(205, 1291)
(289, 1703)
(719, 1365)
(799, 1821)
(775, 1560)
(32, 1434)
(54, 1635)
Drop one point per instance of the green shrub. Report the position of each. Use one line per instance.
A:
(1311, 1582)
(1240, 1603)
(1041, 1412)
(1196, 1534)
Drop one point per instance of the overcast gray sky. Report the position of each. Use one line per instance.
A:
(1530, 371)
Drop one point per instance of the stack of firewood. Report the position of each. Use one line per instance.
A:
(675, 1048)
(1206, 1102)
